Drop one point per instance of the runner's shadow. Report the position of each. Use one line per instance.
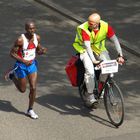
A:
(69, 105)
(7, 107)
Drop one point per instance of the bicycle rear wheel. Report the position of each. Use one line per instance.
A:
(114, 103)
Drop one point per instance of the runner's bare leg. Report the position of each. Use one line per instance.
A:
(32, 81)
(20, 83)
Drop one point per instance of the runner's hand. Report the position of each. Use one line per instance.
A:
(27, 63)
(41, 51)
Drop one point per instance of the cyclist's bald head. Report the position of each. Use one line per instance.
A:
(94, 21)
(95, 17)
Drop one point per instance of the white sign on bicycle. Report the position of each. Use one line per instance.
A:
(109, 66)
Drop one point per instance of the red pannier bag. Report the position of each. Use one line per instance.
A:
(71, 70)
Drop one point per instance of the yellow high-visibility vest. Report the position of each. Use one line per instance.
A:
(97, 41)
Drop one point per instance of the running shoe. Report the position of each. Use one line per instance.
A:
(32, 114)
(10, 74)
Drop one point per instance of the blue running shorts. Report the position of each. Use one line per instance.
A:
(22, 70)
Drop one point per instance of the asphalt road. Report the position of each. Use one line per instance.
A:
(60, 110)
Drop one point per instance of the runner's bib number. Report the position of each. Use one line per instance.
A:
(29, 54)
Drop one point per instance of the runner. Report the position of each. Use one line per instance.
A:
(24, 52)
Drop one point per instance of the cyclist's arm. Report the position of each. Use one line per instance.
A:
(87, 45)
(40, 50)
(115, 40)
(111, 35)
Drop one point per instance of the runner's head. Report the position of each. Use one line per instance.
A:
(94, 20)
(30, 28)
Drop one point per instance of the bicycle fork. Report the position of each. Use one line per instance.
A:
(110, 94)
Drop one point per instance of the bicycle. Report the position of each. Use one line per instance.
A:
(112, 97)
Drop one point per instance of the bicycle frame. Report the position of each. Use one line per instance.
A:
(104, 85)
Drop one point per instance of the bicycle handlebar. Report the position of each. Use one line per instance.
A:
(97, 66)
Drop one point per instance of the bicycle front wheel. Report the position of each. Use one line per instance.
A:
(114, 103)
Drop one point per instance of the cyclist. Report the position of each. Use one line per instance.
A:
(90, 43)
(24, 51)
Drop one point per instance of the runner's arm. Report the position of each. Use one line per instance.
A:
(14, 51)
(40, 50)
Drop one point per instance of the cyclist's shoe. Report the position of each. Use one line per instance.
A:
(32, 114)
(10, 74)
(91, 101)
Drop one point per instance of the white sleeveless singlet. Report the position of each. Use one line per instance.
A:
(29, 53)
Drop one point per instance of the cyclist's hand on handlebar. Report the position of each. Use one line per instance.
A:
(120, 60)
(97, 62)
